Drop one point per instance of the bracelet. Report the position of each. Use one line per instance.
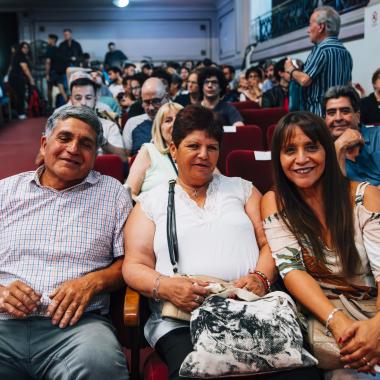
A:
(329, 319)
(263, 278)
(156, 288)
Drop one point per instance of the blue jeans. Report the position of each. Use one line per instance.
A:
(34, 348)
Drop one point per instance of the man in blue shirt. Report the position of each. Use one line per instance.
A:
(329, 63)
(357, 146)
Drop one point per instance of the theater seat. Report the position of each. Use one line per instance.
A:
(269, 136)
(248, 105)
(248, 165)
(245, 137)
(263, 117)
(110, 164)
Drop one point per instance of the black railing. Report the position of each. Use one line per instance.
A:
(293, 15)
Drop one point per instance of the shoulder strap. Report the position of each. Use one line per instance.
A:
(171, 228)
(173, 164)
(359, 196)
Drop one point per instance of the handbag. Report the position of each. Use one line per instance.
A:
(324, 347)
(216, 285)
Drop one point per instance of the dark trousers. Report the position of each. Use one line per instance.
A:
(176, 345)
(18, 86)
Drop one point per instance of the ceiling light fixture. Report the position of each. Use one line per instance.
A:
(120, 3)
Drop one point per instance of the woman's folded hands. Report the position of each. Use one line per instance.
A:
(361, 345)
(185, 293)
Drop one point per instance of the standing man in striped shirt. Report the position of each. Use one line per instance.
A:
(61, 250)
(329, 63)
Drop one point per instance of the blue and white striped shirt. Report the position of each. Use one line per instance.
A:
(48, 237)
(329, 64)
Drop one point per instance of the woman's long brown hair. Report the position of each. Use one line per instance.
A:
(336, 194)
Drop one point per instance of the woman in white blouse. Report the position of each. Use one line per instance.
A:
(153, 163)
(219, 234)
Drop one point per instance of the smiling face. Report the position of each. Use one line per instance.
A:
(302, 160)
(196, 156)
(69, 154)
(340, 116)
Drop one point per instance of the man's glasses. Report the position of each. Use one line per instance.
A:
(155, 102)
(212, 82)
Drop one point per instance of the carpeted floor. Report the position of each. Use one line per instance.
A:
(19, 144)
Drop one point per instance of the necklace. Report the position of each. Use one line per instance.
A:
(195, 191)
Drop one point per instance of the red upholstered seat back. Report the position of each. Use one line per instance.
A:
(263, 117)
(242, 163)
(110, 164)
(245, 105)
(269, 136)
(245, 137)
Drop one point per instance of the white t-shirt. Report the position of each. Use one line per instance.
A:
(116, 89)
(217, 240)
(112, 133)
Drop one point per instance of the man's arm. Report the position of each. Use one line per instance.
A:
(109, 148)
(70, 299)
(296, 74)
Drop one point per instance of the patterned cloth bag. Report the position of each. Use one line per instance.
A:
(233, 337)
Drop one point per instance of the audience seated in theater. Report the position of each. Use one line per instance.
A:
(324, 233)
(83, 93)
(184, 74)
(116, 81)
(192, 96)
(166, 78)
(270, 76)
(114, 57)
(62, 244)
(254, 78)
(212, 86)
(153, 164)
(370, 105)
(147, 69)
(136, 83)
(138, 129)
(235, 235)
(278, 95)
(129, 69)
(329, 63)
(175, 87)
(357, 146)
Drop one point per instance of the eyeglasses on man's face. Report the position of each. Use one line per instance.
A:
(155, 102)
(212, 82)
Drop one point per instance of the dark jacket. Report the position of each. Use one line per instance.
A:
(274, 97)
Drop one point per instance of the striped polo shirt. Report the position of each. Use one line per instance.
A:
(329, 64)
(48, 236)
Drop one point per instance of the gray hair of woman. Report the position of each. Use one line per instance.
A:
(330, 17)
(84, 113)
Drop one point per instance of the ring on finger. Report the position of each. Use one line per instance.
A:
(366, 361)
(198, 299)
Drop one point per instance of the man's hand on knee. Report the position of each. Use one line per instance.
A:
(18, 299)
(69, 301)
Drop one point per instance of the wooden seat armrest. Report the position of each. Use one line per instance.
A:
(131, 308)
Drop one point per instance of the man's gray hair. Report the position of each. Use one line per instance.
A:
(336, 92)
(84, 113)
(330, 17)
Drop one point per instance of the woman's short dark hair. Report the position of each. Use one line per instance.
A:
(209, 72)
(336, 193)
(376, 76)
(254, 69)
(196, 118)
